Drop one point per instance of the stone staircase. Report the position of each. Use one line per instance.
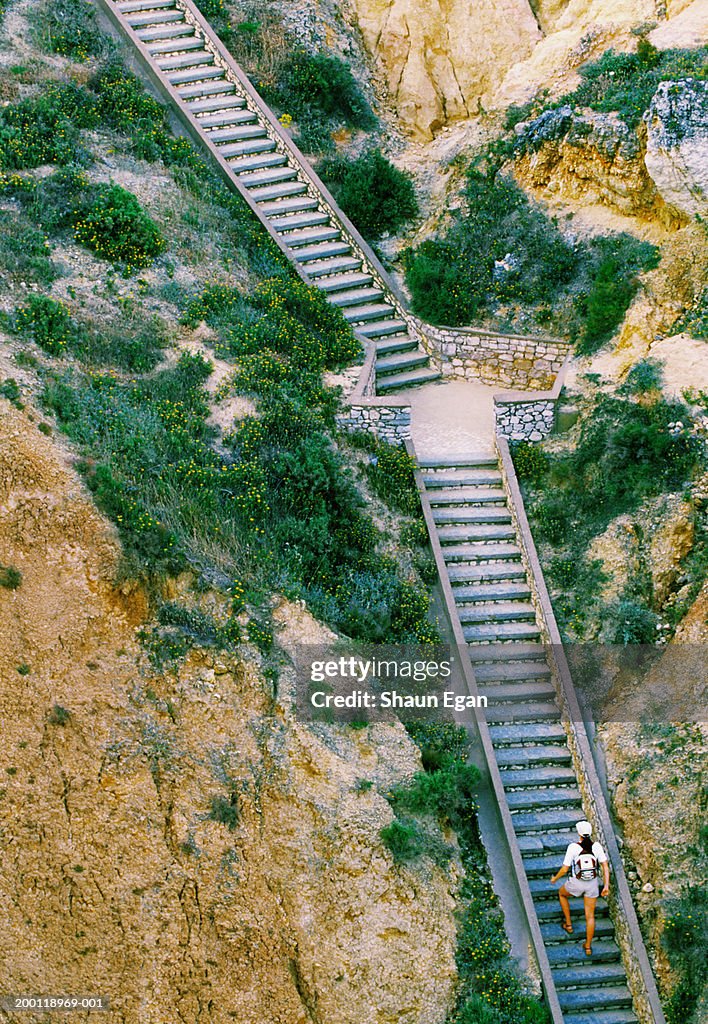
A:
(232, 122)
(493, 602)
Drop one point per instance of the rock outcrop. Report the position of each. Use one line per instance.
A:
(677, 145)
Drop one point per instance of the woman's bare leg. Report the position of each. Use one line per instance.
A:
(565, 904)
(589, 902)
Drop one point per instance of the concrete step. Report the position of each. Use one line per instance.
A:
(542, 866)
(461, 514)
(250, 147)
(512, 671)
(488, 593)
(177, 44)
(516, 693)
(323, 251)
(595, 998)
(553, 934)
(508, 735)
(220, 104)
(396, 343)
(344, 282)
(130, 6)
(400, 361)
(464, 478)
(589, 972)
(176, 62)
(409, 379)
(546, 821)
(356, 296)
(336, 265)
(286, 205)
(546, 844)
(233, 116)
(476, 460)
(200, 74)
(249, 170)
(496, 653)
(550, 911)
(525, 757)
(490, 632)
(173, 30)
(602, 1016)
(299, 220)
(367, 311)
(221, 91)
(537, 799)
(470, 532)
(603, 951)
(544, 775)
(497, 611)
(480, 552)
(307, 236)
(269, 176)
(461, 575)
(537, 711)
(272, 192)
(466, 495)
(157, 17)
(234, 133)
(382, 328)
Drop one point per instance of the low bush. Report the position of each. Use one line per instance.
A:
(225, 811)
(25, 253)
(10, 577)
(685, 939)
(68, 27)
(308, 85)
(404, 839)
(112, 223)
(376, 196)
(48, 323)
(644, 376)
(391, 475)
(46, 128)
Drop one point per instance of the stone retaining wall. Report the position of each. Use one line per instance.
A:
(524, 420)
(513, 360)
(389, 421)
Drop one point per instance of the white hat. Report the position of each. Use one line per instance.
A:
(584, 828)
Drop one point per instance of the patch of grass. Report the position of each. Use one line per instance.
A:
(376, 196)
(25, 253)
(68, 27)
(10, 577)
(46, 128)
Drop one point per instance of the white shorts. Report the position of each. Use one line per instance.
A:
(577, 887)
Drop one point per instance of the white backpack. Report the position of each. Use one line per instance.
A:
(585, 867)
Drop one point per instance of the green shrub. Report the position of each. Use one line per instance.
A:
(646, 375)
(404, 839)
(225, 811)
(47, 322)
(217, 14)
(504, 249)
(391, 474)
(446, 793)
(113, 224)
(45, 129)
(530, 462)
(59, 715)
(68, 27)
(376, 196)
(10, 577)
(633, 624)
(310, 84)
(685, 939)
(626, 82)
(25, 254)
(10, 390)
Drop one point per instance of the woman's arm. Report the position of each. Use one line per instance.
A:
(563, 870)
(606, 875)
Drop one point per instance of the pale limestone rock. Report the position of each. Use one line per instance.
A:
(443, 58)
(677, 145)
(687, 26)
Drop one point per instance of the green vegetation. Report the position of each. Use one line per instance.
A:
(10, 577)
(490, 990)
(225, 811)
(626, 451)
(68, 27)
(112, 223)
(375, 195)
(59, 715)
(505, 256)
(24, 252)
(10, 390)
(685, 939)
(45, 129)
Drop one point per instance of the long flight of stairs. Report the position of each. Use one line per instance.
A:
(493, 602)
(278, 182)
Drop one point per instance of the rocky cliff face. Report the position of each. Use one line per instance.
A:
(445, 60)
(116, 876)
(677, 145)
